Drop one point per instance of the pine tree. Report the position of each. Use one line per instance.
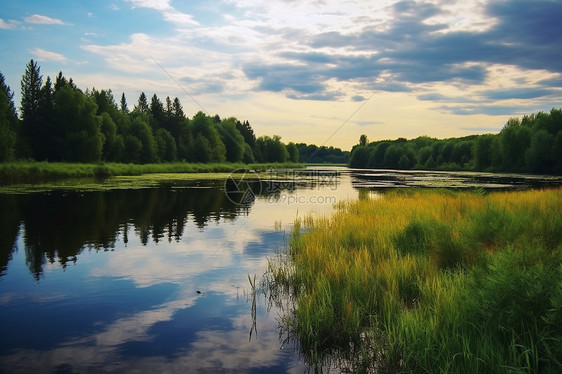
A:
(142, 106)
(30, 93)
(177, 109)
(60, 81)
(158, 114)
(46, 131)
(124, 108)
(247, 132)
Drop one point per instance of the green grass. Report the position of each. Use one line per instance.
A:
(36, 172)
(426, 281)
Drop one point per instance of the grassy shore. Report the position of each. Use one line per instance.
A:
(425, 281)
(34, 172)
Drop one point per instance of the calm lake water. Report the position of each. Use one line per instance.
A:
(156, 279)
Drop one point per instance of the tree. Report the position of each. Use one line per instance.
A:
(270, 149)
(113, 146)
(247, 132)
(483, 152)
(202, 149)
(514, 141)
(376, 159)
(158, 114)
(203, 125)
(133, 149)
(31, 82)
(8, 122)
(105, 102)
(46, 129)
(142, 131)
(556, 152)
(424, 154)
(293, 152)
(359, 157)
(462, 153)
(232, 139)
(142, 106)
(392, 156)
(79, 136)
(123, 104)
(167, 149)
(363, 140)
(60, 81)
(538, 155)
(248, 157)
(177, 109)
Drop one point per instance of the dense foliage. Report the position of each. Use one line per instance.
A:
(60, 122)
(310, 153)
(531, 144)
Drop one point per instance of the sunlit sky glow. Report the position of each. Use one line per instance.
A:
(304, 69)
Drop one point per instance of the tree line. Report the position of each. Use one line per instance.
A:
(312, 154)
(532, 144)
(60, 122)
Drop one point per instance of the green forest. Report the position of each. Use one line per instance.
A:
(58, 122)
(532, 144)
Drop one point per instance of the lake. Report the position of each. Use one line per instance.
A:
(161, 278)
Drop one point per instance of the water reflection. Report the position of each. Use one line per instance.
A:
(58, 226)
(107, 281)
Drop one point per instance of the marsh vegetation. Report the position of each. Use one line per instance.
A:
(429, 281)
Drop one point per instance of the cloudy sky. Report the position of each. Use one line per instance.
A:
(315, 71)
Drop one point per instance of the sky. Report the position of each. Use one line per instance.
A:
(313, 71)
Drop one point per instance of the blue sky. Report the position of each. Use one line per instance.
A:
(318, 71)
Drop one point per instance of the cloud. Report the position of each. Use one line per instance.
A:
(450, 54)
(169, 13)
(419, 43)
(437, 97)
(9, 25)
(518, 93)
(368, 123)
(43, 20)
(325, 96)
(152, 4)
(179, 18)
(492, 110)
(44, 55)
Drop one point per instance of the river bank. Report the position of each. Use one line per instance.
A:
(35, 172)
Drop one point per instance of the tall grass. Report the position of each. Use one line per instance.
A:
(33, 172)
(440, 281)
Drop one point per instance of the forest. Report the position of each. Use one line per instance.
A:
(532, 144)
(58, 122)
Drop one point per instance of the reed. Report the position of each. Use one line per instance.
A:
(446, 281)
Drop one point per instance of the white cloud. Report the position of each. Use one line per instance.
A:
(44, 20)
(179, 18)
(11, 24)
(152, 4)
(44, 55)
(169, 13)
